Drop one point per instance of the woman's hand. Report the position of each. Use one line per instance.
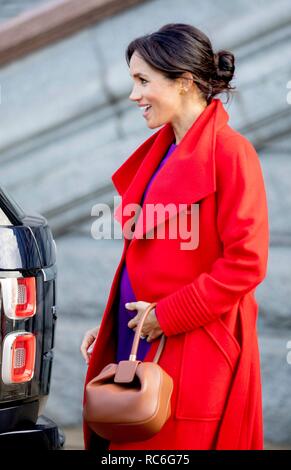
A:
(151, 327)
(88, 340)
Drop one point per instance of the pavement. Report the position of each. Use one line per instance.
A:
(74, 440)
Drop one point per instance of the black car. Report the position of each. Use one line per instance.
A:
(28, 317)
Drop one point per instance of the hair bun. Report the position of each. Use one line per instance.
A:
(224, 65)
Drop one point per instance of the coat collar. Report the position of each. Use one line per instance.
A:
(187, 176)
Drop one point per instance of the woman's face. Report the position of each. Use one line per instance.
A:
(152, 88)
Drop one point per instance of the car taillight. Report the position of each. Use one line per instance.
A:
(18, 359)
(19, 297)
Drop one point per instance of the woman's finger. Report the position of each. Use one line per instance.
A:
(91, 347)
(86, 343)
(83, 350)
(131, 305)
(133, 322)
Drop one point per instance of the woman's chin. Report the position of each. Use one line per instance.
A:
(154, 125)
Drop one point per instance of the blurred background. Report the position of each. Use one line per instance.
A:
(66, 124)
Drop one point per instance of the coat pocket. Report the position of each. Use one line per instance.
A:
(209, 359)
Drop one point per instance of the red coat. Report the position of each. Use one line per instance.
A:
(205, 296)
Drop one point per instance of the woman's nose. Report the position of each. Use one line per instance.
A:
(134, 95)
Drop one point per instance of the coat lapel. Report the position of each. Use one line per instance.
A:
(187, 176)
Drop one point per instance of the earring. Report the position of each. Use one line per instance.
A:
(183, 91)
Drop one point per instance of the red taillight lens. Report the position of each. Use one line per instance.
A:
(19, 297)
(26, 301)
(18, 360)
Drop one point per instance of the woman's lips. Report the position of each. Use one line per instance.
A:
(146, 112)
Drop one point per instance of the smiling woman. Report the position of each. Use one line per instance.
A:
(170, 81)
(204, 296)
(163, 99)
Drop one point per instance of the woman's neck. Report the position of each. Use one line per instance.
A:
(183, 123)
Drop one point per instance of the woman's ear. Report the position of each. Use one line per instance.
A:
(185, 82)
(187, 78)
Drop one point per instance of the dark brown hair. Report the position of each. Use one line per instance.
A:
(177, 48)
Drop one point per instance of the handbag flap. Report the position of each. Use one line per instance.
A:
(126, 371)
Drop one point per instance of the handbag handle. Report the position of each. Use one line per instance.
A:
(136, 339)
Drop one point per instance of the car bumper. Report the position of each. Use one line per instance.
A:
(44, 435)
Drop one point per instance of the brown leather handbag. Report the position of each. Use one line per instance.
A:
(131, 400)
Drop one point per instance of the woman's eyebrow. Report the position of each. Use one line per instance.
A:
(138, 75)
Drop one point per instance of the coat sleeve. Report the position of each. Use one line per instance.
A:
(242, 221)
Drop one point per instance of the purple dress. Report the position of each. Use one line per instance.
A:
(126, 294)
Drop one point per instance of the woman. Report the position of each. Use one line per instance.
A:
(204, 291)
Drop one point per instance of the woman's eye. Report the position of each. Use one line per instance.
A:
(143, 80)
